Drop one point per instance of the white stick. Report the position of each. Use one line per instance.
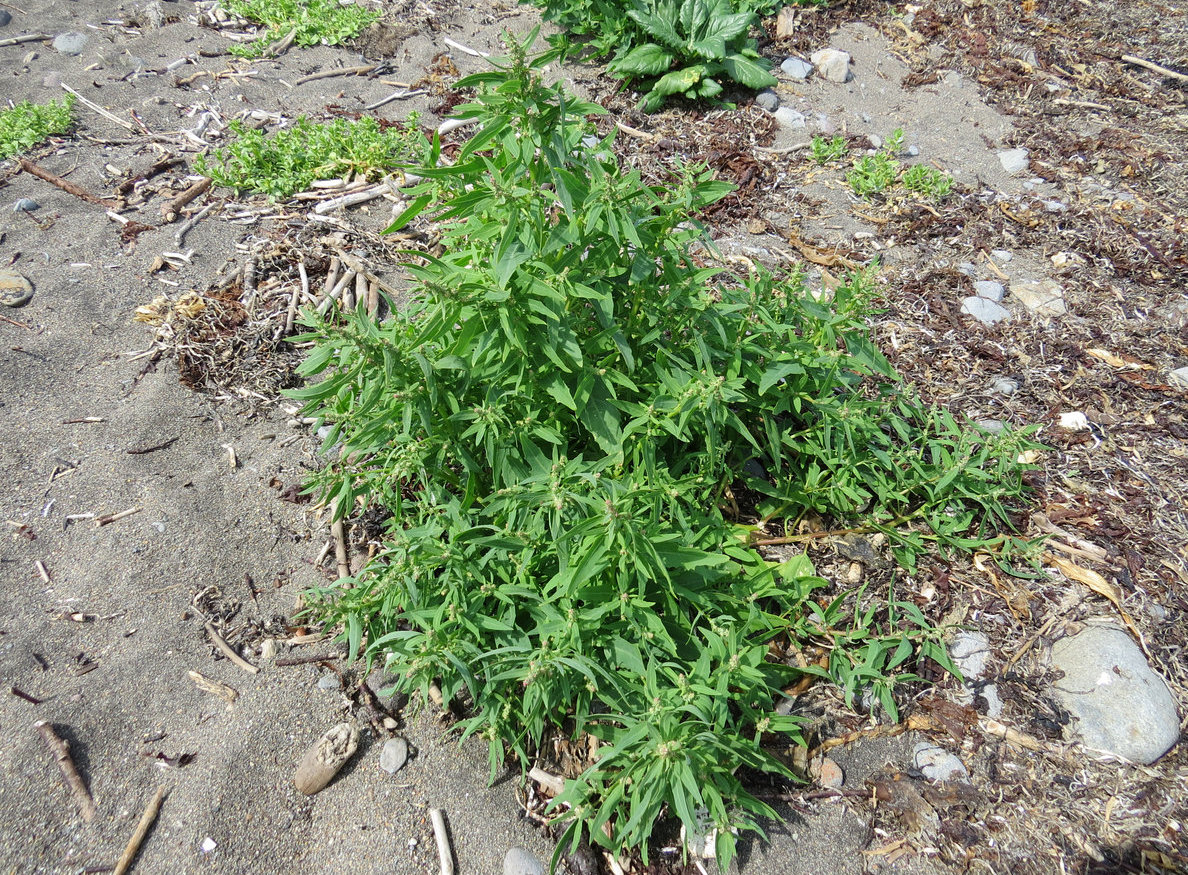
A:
(350, 200)
(443, 841)
(97, 108)
(453, 44)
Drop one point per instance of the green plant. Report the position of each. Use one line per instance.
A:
(289, 160)
(690, 45)
(823, 151)
(315, 22)
(554, 421)
(25, 125)
(927, 180)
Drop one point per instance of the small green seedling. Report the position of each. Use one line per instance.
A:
(928, 181)
(823, 151)
(25, 125)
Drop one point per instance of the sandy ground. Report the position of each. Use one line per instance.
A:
(100, 637)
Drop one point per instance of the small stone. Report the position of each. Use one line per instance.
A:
(70, 43)
(767, 99)
(5, 18)
(15, 288)
(824, 125)
(1042, 297)
(990, 290)
(984, 310)
(1074, 421)
(268, 649)
(795, 68)
(328, 682)
(325, 758)
(832, 64)
(876, 142)
(790, 118)
(208, 845)
(1004, 386)
(938, 764)
(1055, 206)
(390, 723)
(25, 205)
(993, 426)
(970, 651)
(827, 773)
(968, 268)
(1179, 377)
(912, 151)
(1001, 255)
(1013, 160)
(521, 862)
(1121, 706)
(394, 755)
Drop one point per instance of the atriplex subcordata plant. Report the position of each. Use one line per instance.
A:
(553, 421)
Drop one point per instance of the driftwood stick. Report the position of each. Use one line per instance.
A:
(327, 74)
(1155, 68)
(373, 299)
(146, 822)
(66, 186)
(186, 227)
(24, 38)
(338, 530)
(170, 209)
(305, 660)
(299, 294)
(224, 692)
(444, 853)
(74, 781)
(97, 108)
(228, 650)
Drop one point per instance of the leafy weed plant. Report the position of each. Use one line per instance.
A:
(25, 125)
(823, 151)
(928, 181)
(316, 22)
(289, 160)
(673, 47)
(875, 174)
(553, 422)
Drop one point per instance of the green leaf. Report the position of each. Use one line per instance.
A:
(646, 60)
(749, 71)
(678, 81)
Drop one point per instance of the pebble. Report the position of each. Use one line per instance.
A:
(970, 651)
(912, 151)
(993, 426)
(1001, 255)
(268, 649)
(790, 118)
(15, 289)
(968, 268)
(70, 43)
(25, 204)
(767, 99)
(328, 682)
(5, 18)
(990, 290)
(1121, 706)
(1042, 297)
(825, 125)
(984, 310)
(827, 773)
(1004, 385)
(521, 862)
(1074, 421)
(938, 764)
(796, 68)
(1013, 160)
(1179, 377)
(832, 64)
(394, 755)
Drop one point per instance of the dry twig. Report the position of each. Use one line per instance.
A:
(66, 186)
(74, 781)
(443, 841)
(228, 651)
(146, 822)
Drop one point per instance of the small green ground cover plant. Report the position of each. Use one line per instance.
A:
(289, 160)
(875, 174)
(315, 22)
(25, 125)
(671, 47)
(553, 422)
(823, 151)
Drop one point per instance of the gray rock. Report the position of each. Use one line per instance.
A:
(938, 764)
(1001, 255)
(1121, 706)
(832, 64)
(328, 682)
(912, 151)
(5, 18)
(1179, 377)
(521, 862)
(824, 124)
(1004, 385)
(970, 650)
(990, 290)
(984, 310)
(795, 68)
(70, 43)
(1013, 160)
(1055, 206)
(790, 118)
(767, 99)
(993, 426)
(25, 205)
(394, 755)
(968, 268)
(1042, 297)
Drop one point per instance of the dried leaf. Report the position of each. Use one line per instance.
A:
(1098, 584)
(1116, 361)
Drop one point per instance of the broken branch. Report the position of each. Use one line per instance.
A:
(74, 781)
(170, 209)
(228, 651)
(66, 186)
(146, 822)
